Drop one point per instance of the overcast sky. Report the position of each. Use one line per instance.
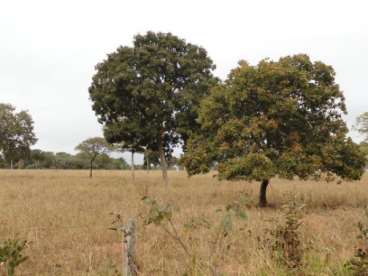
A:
(48, 49)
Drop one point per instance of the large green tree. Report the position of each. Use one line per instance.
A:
(278, 118)
(92, 148)
(149, 93)
(16, 134)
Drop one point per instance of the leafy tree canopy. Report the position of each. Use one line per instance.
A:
(148, 95)
(16, 133)
(276, 118)
(93, 147)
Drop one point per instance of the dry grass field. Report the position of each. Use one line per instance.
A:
(65, 217)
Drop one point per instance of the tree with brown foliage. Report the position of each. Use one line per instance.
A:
(278, 118)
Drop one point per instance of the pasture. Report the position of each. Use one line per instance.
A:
(65, 217)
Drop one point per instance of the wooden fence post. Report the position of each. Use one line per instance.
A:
(129, 266)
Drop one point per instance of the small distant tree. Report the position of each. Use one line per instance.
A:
(92, 148)
(278, 118)
(16, 134)
(150, 93)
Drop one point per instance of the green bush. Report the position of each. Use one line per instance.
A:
(11, 255)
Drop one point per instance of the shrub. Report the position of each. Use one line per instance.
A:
(284, 239)
(358, 265)
(11, 255)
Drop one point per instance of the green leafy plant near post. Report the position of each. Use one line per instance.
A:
(278, 118)
(161, 215)
(11, 255)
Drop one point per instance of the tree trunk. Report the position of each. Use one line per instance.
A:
(163, 165)
(148, 166)
(263, 193)
(133, 167)
(90, 169)
(11, 164)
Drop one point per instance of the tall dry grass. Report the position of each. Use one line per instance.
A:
(65, 217)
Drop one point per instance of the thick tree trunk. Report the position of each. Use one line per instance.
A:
(263, 193)
(90, 169)
(163, 165)
(133, 166)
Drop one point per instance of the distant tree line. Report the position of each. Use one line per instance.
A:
(38, 159)
(92, 153)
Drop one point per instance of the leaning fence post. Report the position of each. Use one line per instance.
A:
(129, 265)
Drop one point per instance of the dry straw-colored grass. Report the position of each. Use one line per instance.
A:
(65, 216)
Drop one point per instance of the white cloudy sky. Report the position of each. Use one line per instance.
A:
(48, 48)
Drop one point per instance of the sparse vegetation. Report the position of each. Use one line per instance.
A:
(65, 218)
(285, 243)
(281, 121)
(358, 265)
